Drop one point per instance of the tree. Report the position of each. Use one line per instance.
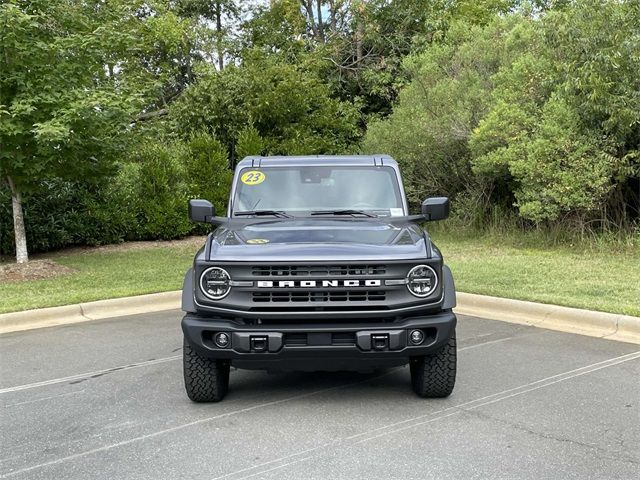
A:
(430, 127)
(564, 124)
(279, 29)
(288, 105)
(368, 40)
(222, 15)
(535, 113)
(74, 78)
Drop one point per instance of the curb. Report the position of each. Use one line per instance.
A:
(84, 312)
(623, 328)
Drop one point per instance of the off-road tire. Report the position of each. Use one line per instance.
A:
(434, 376)
(205, 379)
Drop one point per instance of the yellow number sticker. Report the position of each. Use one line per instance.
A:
(257, 241)
(253, 177)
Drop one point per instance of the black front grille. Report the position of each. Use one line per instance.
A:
(321, 296)
(285, 289)
(317, 270)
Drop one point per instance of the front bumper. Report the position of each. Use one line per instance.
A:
(318, 346)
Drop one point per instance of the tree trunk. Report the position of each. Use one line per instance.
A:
(219, 35)
(333, 14)
(359, 38)
(308, 6)
(320, 24)
(359, 32)
(18, 224)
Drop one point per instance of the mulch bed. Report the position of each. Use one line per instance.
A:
(32, 270)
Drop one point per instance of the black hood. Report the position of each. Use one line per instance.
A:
(316, 239)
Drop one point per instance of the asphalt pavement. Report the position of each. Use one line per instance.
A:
(105, 400)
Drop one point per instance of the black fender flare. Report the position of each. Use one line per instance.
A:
(188, 304)
(449, 288)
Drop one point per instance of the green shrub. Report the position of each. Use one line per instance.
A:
(207, 170)
(534, 117)
(429, 129)
(62, 214)
(249, 142)
(290, 108)
(154, 190)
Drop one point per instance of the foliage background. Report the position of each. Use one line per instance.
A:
(113, 114)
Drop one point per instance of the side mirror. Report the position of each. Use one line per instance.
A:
(201, 211)
(435, 208)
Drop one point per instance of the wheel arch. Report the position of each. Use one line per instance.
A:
(449, 288)
(188, 304)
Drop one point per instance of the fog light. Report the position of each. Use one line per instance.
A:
(416, 337)
(222, 340)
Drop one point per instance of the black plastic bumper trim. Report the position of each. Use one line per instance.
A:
(199, 332)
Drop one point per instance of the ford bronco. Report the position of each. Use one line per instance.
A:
(318, 266)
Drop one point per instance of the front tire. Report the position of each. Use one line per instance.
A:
(434, 376)
(205, 379)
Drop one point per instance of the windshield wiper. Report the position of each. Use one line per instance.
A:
(260, 213)
(343, 212)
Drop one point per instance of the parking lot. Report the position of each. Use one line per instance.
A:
(105, 400)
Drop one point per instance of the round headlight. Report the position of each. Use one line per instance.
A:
(215, 283)
(422, 280)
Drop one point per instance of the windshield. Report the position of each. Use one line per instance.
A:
(306, 190)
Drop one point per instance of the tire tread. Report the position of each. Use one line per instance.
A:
(434, 376)
(205, 379)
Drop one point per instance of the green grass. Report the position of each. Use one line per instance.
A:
(101, 275)
(594, 278)
(504, 266)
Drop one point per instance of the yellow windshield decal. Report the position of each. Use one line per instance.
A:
(253, 177)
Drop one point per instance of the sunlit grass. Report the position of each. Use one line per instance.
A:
(101, 275)
(595, 279)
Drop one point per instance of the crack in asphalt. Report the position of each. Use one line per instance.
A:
(610, 455)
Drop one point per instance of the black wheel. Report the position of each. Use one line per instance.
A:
(434, 376)
(205, 379)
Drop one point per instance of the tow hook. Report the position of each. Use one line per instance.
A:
(380, 341)
(259, 344)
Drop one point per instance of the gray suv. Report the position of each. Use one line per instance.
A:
(318, 266)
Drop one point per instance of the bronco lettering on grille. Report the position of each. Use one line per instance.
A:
(317, 283)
